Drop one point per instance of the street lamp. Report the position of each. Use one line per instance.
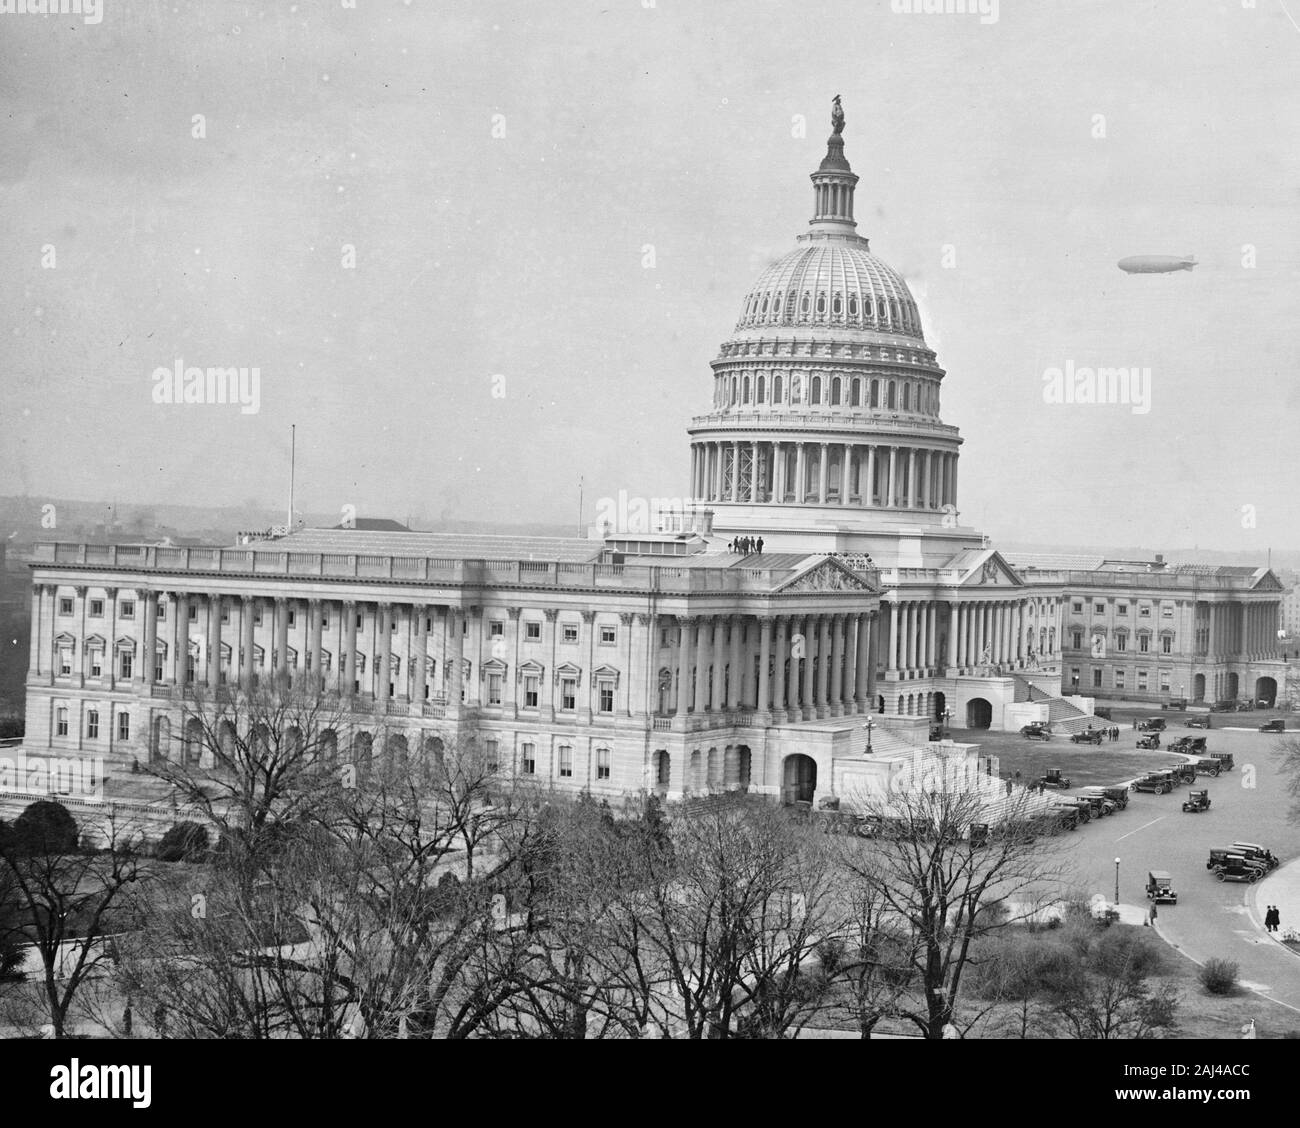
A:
(1117, 882)
(947, 720)
(869, 726)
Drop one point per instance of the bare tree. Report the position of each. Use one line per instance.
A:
(1287, 756)
(937, 884)
(66, 900)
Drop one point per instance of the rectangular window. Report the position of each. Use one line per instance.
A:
(608, 636)
(1166, 612)
(225, 611)
(1077, 606)
(568, 693)
(663, 637)
(1096, 678)
(65, 605)
(602, 763)
(1164, 681)
(1121, 642)
(257, 615)
(293, 617)
(124, 726)
(496, 628)
(96, 663)
(606, 697)
(1144, 612)
(92, 724)
(532, 630)
(1167, 645)
(126, 609)
(528, 759)
(1078, 640)
(566, 762)
(530, 692)
(194, 613)
(1119, 679)
(61, 722)
(1099, 609)
(96, 608)
(1144, 643)
(162, 611)
(65, 661)
(570, 632)
(360, 624)
(157, 669)
(1121, 609)
(1142, 680)
(128, 664)
(494, 689)
(491, 754)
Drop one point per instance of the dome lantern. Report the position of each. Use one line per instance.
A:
(834, 181)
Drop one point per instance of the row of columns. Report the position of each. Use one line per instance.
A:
(889, 477)
(979, 632)
(800, 666)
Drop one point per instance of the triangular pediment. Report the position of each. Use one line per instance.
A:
(568, 670)
(828, 575)
(95, 642)
(989, 569)
(531, 668)
(494, 666)
(64, 639)
(126, 642)
(604, 672)
(1266, 581)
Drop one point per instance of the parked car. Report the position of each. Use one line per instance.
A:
(1277, 724)
(1225, 759)
(1184, 773)
(1254, 852)
(1152, 724)
(1224, 707)
(1117, 795)
(1237, 869)
(1189, 745)
(1196, 802)
(1154, 782)
(1245, 706)
(1175, 703)
(1089, 736)
(1200, 721)
(1054, 779)
(979, 834)
(1099, 804)
(1151, 740)
(1036, 730)
(1081, 805)
(1209, 766)
(1222, 858)
(1160, 887)
(1068, 815)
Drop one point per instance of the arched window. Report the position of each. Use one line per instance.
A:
(815, 396)
(868, 309)
(837, 305)
(744, 389)
(761, 389)
(853, 307)
(735, 385)
(893, 311)
(764, 310)
(875, 393)
(821, 305)
(907, 397)
(835, 392)
(776, 389)
(855, 393)
(805, 305)
(892, 401)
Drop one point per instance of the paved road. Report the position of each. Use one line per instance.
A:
(1211, 919)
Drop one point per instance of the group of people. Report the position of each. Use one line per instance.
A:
(746, 545)
(1272, 919)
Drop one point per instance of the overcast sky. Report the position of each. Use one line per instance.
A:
(520, 256)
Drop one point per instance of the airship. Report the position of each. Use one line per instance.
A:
(1155, 264)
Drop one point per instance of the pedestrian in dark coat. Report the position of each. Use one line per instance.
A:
(760, 546)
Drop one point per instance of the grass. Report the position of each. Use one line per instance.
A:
(1086, 765)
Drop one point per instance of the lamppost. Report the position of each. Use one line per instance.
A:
(869, 726)
(1117, 882)
(947, 721)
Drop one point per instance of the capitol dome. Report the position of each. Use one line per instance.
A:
(832, 281)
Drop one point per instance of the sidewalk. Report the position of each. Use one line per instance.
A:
(1280, 888)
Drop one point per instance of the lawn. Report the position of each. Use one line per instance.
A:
(1086, 765)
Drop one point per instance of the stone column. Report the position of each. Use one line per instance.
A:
(797, 644)
(927, 457)
(314, 646)
(420, 659)
(932, 656)
(764, 661)
(869, 492)
(150, 646)
(807, 698)
(737, 673)
(846, 473)
(1214, 634)
(891, 659)
(735, 470)
(778, 667)
(800, 472)
(954, 617)
(180, 637)
(383, 654)
(753, 473)
(38, 630)
(823, 664)
(778, 473)
(455, 659)
(213, 671)
(837, 665)
(821, 474)
(348, 657)
(892, 485)
(684, 625)
(873, 658)
(247, 613)
(703, 656)
(281, 637)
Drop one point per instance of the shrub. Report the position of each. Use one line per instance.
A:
(184, 842)
(45, 827)
(1219, 977)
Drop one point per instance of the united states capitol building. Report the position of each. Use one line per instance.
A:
(658, 659)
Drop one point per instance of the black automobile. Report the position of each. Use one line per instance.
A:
(1196, 802)
(1237, 870)
(1037, 730)
(1191, 745)
(1099, 804)
(1222, 858)
(1200, 721)
(1152, 724)
(1157, 783)
(1054, 780)
(1091, 736)
(1209, 766)
(1277, 724)
(1254, 852)
(1224, 707)
(1151, 740)
(1225, 759)
(1117, 795)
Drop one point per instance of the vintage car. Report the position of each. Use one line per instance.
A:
(1175, 703)
(1189, 745)
(1089, 736)
(1151, 740)
(1224, 707)
(1245, 706)
(1099, 804)
(1277, 724)
(1200, 721)
(1209, 766)
(1036, 730)
(1254, 852)
(1067, 817)
(1222, 858)
(1196, 802)
(979, 834)
(1157, 783)
(1117, 795)
(1184, 773)
(1053, 779)
(1225, 760)
(1152, 724)
(1160, 888)
(1237, 869)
